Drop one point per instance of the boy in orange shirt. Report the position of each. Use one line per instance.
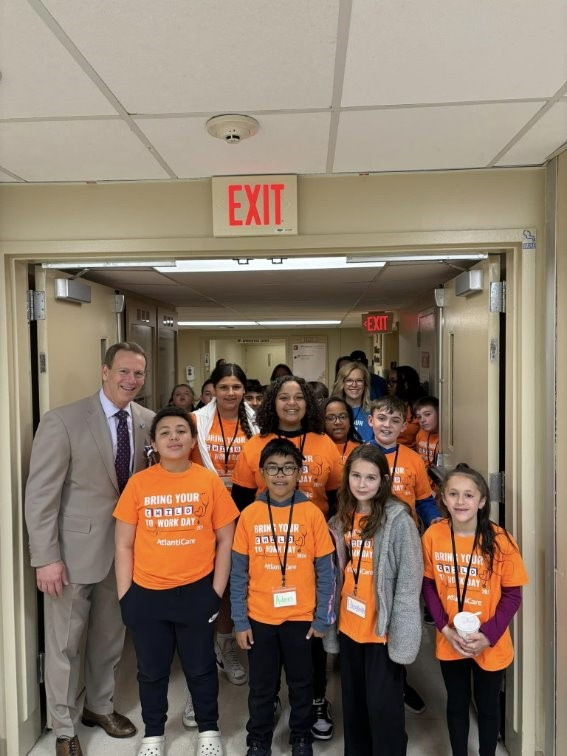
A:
(174, 530)
(282, 585)
(426, 411)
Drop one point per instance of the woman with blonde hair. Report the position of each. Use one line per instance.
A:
(353, 385)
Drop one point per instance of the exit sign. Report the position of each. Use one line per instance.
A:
(377, 322)
(254, 205)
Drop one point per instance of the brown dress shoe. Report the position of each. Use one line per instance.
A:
(116, 725)
(68, 747)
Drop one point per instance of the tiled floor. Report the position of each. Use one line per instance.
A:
(427, 732)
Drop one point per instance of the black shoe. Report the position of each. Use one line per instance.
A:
(301, 747)
(413, 702)
(255, 748)
(322, 727)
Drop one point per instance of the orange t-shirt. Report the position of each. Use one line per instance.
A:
(483, 590)
(407, 436)
(360, 629)
(176, 515)
(309, 540)
(322, 468)
(427, 446)
(345, 449)
(409, 479)
(216, 444)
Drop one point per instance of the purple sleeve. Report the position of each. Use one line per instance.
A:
(433, 603)
(508, 605)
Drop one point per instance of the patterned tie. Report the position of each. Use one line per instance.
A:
(122, 461)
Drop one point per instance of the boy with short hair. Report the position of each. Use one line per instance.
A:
(426, 411)
(282, 586)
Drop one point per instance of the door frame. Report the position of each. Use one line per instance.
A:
(522, 433)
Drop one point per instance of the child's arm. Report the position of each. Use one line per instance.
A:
(224, 538)
(325, 581)
(492, 630)
(428, 510)
(124, 538)
(238, 594)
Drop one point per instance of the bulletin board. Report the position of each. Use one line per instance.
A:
(309, 361)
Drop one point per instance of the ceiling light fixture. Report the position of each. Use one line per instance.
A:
(249, 264)
(436, 257)
(70, 265)
(263, 323)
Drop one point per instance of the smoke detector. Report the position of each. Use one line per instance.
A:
(232, 128)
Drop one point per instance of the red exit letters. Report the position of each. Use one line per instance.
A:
(376, 322)
(255, 204)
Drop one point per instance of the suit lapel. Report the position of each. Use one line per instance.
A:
(98, 426)
(141, 436)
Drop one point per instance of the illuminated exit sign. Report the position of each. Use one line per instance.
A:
(377, 322)
(254, 205)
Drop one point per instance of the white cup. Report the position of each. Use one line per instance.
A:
(466, 623)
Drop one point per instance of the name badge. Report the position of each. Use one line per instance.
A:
(226, 479)
(284, 597)
(356, 606)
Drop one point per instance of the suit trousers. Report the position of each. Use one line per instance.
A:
(94, 610)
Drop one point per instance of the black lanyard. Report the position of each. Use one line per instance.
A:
(356, 573)
(393, 469)
(461, 599)
(283, 564)
(227, 450)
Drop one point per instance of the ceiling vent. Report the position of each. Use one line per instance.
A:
(232, 128)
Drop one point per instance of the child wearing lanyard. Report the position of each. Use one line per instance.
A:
(381, 569)
(490, 575)
(282, 594)
(426, 411)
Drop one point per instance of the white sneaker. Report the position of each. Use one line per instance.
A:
(153, 746)
(209, 743)
(227, 659)
(188, 717)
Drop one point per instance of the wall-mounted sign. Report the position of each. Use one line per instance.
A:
(254, 205)
(377, 322)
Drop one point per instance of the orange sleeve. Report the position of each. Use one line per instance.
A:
(422, 487)
(225, 510)
(513, 570)
(336, 474)
(243, 474)
(323, 543)
(240, 542)
(426, 545)
(126, 509)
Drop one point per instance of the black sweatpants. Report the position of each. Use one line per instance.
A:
(373, 700)
(161, 621)
(274, 646)
(457, 676)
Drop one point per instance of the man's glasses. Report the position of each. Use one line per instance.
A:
(287, 469)
(336, 418)
(354, 381)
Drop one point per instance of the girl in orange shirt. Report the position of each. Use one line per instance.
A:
(339, 425)
(490, 574)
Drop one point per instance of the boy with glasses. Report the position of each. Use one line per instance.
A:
(282, 587)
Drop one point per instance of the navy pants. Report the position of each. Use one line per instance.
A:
(162, 621)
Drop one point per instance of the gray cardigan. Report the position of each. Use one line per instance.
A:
(398, 575)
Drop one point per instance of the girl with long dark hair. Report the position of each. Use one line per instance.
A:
(339, 425)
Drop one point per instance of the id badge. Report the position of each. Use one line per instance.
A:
(284, 597)
(357, 606)
(227, 481)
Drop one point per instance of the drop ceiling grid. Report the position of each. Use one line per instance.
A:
(185, 56)
(40, 78)
(467, 136)
(542, 139)
(403, 53)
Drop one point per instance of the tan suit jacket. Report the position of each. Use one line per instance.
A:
(72, 488)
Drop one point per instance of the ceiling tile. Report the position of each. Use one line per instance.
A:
(438, 51)
(6, 178)
(427, 138)
(39, 76)
(192, 153)
(75, 151)
(186, 55)
(547, 135)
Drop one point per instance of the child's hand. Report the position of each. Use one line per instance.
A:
(314, 633)
(245, 639)
(458, 643)
(476, 643)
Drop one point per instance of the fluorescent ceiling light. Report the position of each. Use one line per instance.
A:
(438, 257)
(268, 323)
(250, 264)
(165, 264)
(264, 323)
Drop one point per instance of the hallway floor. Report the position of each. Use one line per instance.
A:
(427, 732)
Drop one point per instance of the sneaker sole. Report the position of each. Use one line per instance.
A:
(189, 724)
(413, 711)
(230, 679)
(322, 737)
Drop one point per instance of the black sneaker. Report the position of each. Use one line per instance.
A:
(301, 747)
(322, 727)
(255, 748)
(413, 702)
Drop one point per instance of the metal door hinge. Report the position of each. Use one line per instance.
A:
(40, 660)
(36, 305)
(498, 296)
(497, 486)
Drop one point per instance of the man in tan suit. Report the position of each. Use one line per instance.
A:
(71, 493)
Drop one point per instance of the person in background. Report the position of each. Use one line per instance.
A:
(403, 382)
(82, 456)
(340, 362)
(320, 391)
(182, 396)
(378, 386)
(207, 393)
(339, 425)
(426, 411)
(279, 371)
(491, 576)
(353, 385)
(254, 393)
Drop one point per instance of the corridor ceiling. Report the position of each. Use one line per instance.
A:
(120, 90)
